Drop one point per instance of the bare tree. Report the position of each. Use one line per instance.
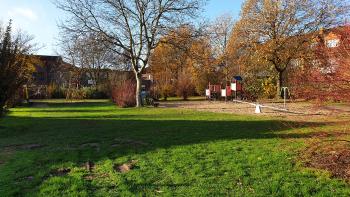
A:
(132, 27)
(220, 33)
(278, 31)
(92, 57)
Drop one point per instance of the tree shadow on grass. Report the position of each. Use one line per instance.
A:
(89, 138)
(67, 104)
(48, 110)
(74, 131)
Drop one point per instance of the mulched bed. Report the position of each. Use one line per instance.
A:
(328, 153)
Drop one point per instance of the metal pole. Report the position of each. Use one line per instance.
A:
(236, 94)
(285, 96)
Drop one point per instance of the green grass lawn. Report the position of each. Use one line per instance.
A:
(44, 150)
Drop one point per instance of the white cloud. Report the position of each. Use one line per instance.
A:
(23, 12)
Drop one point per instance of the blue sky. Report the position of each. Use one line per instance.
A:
(40, 17)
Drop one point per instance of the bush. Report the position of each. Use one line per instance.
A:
(269, 88)
(55, 92)
(185, 88)
(76, 94)
(124, 94)
(59, 93)
(166, 90)
(94, 93)
(252, 88)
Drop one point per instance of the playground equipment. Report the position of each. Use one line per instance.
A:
(232, 89)
(235, 92)
(213, 91)
(258, 107)
(236, 86)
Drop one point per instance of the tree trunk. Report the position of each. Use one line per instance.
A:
(279, 84)
(2, 110)
(138, 89)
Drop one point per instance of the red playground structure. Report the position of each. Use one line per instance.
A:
(213, 91)
(231, 90)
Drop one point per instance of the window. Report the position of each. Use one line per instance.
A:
(331, 67)
(296, 63)
(333, 43)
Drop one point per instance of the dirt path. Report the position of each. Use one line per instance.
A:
(299, 109)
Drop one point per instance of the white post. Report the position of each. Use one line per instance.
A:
(257, 109)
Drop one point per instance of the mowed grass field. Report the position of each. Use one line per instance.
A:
(78, 149)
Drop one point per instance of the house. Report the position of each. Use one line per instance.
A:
(51, 70)
(335, 50)
(329, 49)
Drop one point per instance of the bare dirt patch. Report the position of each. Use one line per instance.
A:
(296, 109)
(335, 134)
(333, 156)
(89, 166)
(126, 167)
(329, 151)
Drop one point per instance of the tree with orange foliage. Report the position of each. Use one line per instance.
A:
(203, 65)
(182, 62)
(169, 59)
(273, 32)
